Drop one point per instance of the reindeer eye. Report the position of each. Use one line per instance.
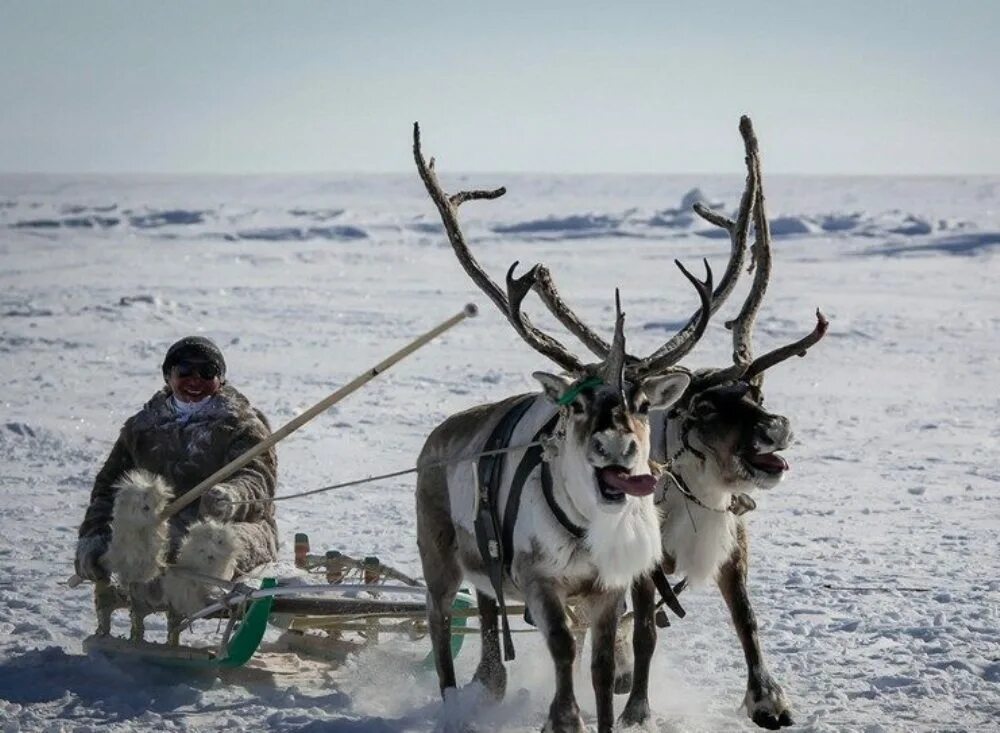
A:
(576, 406)
(705, 411)
(643, 407)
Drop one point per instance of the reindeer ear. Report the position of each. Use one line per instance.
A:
(555, 385)
(665, 390)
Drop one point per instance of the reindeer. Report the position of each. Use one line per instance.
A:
(578, 519)
(713, 446)
(716, 444)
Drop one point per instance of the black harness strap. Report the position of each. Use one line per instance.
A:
(532, 457)
(495, 544)
(574, 529)
(487, 524)
(667, 592)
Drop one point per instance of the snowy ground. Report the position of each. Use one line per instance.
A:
(875, 566)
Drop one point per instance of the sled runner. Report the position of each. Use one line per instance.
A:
(243, 635)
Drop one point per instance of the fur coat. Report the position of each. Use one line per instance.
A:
(186, 450)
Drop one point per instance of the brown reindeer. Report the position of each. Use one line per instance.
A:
(716, 444)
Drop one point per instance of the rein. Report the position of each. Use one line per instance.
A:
(392, 474)
(739, 504)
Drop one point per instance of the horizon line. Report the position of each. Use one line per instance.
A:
(498, 172)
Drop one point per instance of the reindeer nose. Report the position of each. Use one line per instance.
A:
(776, 430)
(615, 447)
(631, 446)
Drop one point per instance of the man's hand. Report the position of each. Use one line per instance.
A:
(89, 552)
(217, 503)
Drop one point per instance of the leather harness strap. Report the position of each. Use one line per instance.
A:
(489, 470)
(495, 542)
(532, 457)
(550, 499)
(667, 593)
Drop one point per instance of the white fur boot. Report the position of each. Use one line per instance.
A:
(138, 548)
(210, 548)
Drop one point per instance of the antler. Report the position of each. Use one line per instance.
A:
(754, 373)
(738, 230)
(448, 208)
(685, 339)
(656, 364)
(549, 295)
(744, 365)
(614, 365)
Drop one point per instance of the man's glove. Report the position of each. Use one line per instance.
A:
(89, 552)
(216, 503)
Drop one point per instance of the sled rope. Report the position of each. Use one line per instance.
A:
(393, 474)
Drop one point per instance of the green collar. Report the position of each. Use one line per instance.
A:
(570, 394)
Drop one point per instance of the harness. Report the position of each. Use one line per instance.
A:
(495, 536)
(739, 504)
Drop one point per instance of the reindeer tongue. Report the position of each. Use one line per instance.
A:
(770, 462)
(616, 478)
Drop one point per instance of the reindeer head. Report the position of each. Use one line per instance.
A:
(604, 429)
(727, 438)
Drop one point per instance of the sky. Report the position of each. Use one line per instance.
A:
(873, 87)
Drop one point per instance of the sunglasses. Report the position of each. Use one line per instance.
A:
(205, 370)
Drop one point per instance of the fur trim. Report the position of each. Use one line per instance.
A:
(210, 548)
(139, 537)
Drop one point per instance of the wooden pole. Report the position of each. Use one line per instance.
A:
(291, 426)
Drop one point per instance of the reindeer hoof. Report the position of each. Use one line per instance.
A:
(564, 721)
(494, 683)
(767, 706)
(635, 714)
(765, 719)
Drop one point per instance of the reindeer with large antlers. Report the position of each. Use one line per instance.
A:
(572, 519)
(716, 444)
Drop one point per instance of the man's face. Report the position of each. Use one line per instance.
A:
(193, 381)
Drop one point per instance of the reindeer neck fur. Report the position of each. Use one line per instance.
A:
(699, 538)
(622, 541)
(619, 543)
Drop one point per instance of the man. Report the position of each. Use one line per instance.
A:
(192, 427)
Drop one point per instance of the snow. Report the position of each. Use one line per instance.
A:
(874, 571)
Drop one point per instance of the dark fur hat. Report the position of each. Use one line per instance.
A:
(194, 349)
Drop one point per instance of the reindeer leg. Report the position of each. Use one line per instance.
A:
(765, 700)
(624, 657)
(643, 643)
(490, 673)
(442, 572)
(549, 613)
(440, 595)
(604, 611)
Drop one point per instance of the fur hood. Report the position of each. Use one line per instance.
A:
(228, 404)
